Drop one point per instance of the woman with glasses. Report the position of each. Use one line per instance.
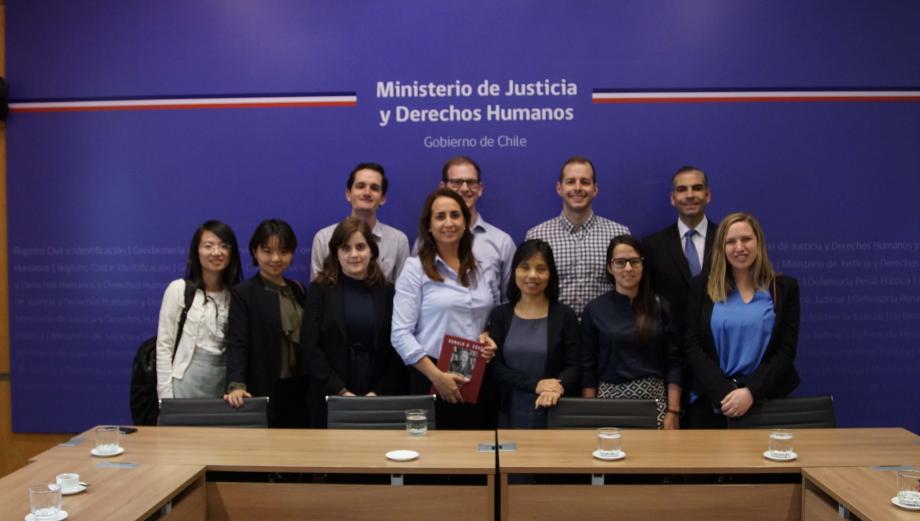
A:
(742, 328)
(197, 366)
(630, 347)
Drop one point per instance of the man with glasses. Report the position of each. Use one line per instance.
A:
(681, 251)
(366, 191)
(578, 236)
(491, 246)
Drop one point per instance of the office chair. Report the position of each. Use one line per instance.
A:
(214, 412)
(803, 413)
(586, 413)
(375, 412)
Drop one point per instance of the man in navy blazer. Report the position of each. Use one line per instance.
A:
(681, 251)
(668, 253)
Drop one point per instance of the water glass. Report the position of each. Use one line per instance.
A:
(909, 488)
(107, 439)
(781, 443)
(45, 501)
(609, 442)
(417, 422)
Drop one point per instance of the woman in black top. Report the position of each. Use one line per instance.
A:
(347, 321)
(630, 345)
(537, 338)
(263, 342)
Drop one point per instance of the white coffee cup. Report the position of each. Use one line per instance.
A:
(68, 481)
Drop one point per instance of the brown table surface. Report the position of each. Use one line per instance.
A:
(704, 451)
(113, 493)
(295, 450)
(865, 491)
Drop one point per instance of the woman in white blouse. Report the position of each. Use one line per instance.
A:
(196, 367)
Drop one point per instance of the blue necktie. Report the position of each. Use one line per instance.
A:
(693, 259)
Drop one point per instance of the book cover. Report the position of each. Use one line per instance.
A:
(463, 356)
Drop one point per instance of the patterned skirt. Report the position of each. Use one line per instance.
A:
(645, 388)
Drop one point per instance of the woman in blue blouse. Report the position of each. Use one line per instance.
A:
(444, 291)
(742, 328)
(630, 344)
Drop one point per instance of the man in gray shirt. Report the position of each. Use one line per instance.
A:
(366, 191)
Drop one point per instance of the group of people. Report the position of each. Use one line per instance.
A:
(692, 316)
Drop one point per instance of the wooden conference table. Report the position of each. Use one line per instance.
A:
(710, 475)
(356, 453)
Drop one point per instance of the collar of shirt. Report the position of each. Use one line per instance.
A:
(377, 232)
(480, 226)
(570, 228)
(700, 228)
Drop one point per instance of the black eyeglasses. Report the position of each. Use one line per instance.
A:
(457, 183)
(635, 262)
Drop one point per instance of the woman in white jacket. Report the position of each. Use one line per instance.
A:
(196, 367)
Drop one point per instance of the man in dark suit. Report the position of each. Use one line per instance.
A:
(681, 251)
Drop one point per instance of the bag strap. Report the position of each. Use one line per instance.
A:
(190, 290)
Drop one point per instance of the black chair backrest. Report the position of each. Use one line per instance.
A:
(586, 413)
(376, 412)
(807, 412)
(194, 412)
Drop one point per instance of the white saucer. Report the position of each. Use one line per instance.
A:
(62, 514)
(94, 452)
(773, 457)
(402, 455)
(71, 491)
(620, 455)
(898, 504)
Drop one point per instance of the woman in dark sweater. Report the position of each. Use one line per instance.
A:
(347, 321)
(537, 338)
(630, 344)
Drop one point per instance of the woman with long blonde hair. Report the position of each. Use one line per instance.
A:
(742, 327)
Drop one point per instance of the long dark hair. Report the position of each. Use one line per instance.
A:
(428, 248)
(232, 274)
(644, 305)
(525, 251)
(332, 270)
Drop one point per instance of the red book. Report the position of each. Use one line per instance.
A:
(463, 356)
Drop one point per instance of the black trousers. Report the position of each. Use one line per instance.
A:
(460, 416)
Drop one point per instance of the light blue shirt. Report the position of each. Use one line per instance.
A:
(494, 249)
(699, 238)
(424, 310)
(742, 331)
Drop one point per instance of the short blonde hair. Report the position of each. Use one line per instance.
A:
(721, 279)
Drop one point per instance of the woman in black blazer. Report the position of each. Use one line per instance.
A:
(347, 322)
(264, 331)
(538, 341)
(742, 328)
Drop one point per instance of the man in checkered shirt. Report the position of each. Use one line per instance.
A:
(579, 238)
